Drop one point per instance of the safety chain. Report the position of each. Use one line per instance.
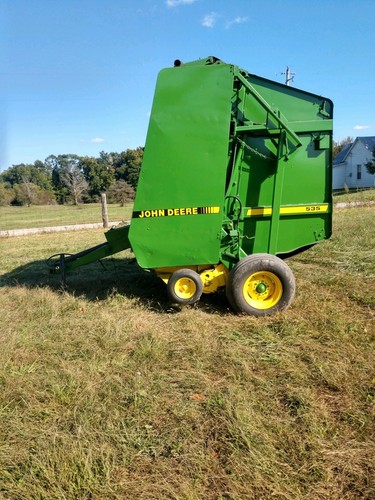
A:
(257, 153)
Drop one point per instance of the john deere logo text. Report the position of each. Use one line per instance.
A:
(171, 212)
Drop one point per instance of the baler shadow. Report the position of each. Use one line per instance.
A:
(100, 280)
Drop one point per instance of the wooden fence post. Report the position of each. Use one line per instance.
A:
(104, 210)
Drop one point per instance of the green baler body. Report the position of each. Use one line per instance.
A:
(234, 164)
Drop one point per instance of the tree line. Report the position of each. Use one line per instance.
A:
(70, 178)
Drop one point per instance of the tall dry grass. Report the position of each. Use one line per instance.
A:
(108, 392)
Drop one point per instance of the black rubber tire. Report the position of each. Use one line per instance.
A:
(258, 263)
(190, 275)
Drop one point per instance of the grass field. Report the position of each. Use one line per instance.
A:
(109, 393)
(366, 195)
(59, 215)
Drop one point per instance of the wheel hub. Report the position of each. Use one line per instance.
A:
(261, 288)
(185, 288)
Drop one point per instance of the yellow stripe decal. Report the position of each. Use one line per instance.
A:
(290, 210)
(251, 212)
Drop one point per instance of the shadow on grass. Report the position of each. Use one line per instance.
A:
(100, 280)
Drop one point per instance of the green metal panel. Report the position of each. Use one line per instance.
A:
(184, 167)
(284, 143)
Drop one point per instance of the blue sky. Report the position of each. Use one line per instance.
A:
(77, 76)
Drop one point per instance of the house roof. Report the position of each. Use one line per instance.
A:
(368, 142)
(343, 154)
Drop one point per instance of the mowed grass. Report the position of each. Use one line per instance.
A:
(108, 392)
(59, 215)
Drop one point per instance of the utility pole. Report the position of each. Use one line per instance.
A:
(289, 76)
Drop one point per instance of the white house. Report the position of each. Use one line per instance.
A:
(349, 166)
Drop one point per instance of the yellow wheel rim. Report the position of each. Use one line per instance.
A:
(185, 288)
(262, 290)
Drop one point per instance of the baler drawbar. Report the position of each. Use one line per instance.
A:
(117, 241)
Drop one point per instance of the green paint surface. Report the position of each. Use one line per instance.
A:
(184, 166)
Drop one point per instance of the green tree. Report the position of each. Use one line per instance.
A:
(6, 194)
(120, 192)
(55, 164)
(370, 166)
(37, 173)
(127, 165)
(98, 172)
(28, 193)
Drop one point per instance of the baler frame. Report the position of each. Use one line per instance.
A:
(261, 140)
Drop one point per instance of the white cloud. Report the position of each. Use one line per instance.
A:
(361, 127)
(97, 140)
(209, 20)
(174, 3)
(237, 20)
